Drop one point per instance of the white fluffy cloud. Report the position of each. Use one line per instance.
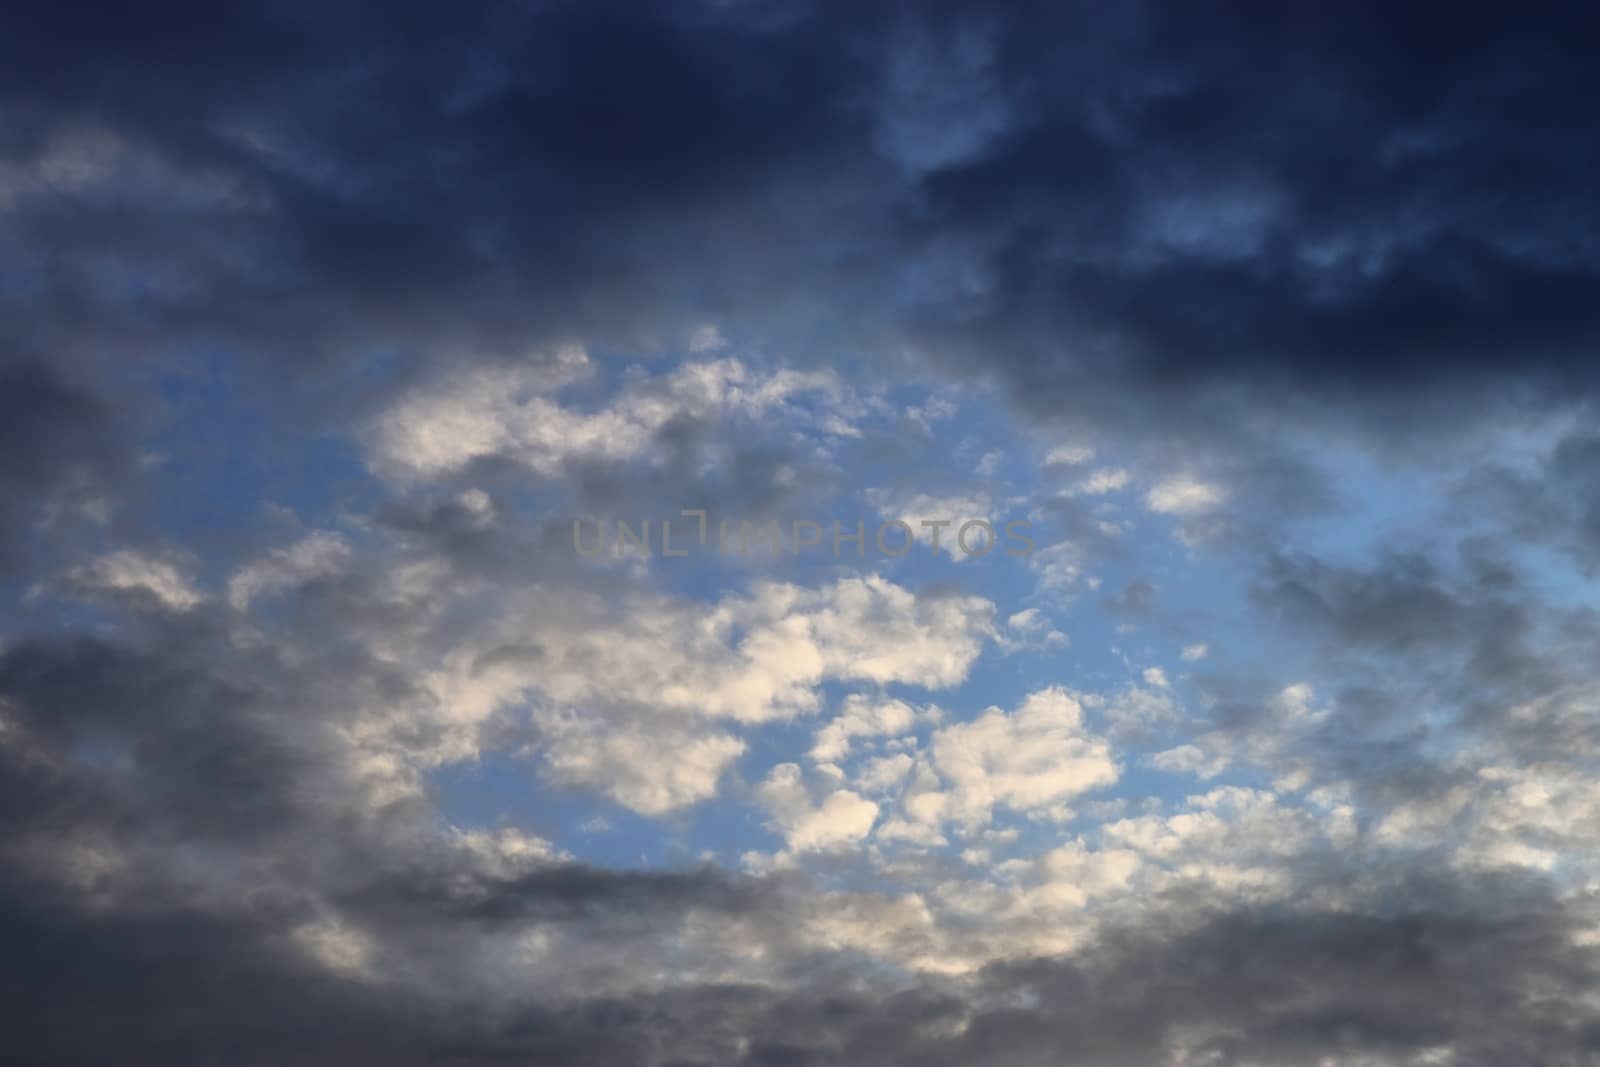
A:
(752, 658)
(649, 767)
(512, 412)
(625, 695)
(1231, 840)
(841, 818)
(1030, 630)
(1185, 495)
(1189, 759)
(1138, 709)
(861, 717)
(1058, 567)
(944, 515)
(131, 572)
(1103, 481)
(1031, 761)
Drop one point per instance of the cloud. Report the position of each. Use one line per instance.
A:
(629, 762)
(440, 279)
(511, 414)
(1068, 455)
(320, 554)
(622, 696)
(937, 521)
(841, 818)
(749, 658)
(406, 914)
(1032, 761)
(1136, 710)
(65, 458)
(943, 170)
(129, 572)
(860, 717)
(1030, 630)
(1190, 759)
(1182, 495)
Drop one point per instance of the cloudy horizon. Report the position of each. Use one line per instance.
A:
(742, 532)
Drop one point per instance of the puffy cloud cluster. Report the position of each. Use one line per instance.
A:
(512, 413)
(1031, 761)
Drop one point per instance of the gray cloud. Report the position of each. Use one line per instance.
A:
(1297, 203)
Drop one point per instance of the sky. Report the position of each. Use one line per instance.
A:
(791, 534)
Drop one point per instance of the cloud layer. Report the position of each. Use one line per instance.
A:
(324, 740)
